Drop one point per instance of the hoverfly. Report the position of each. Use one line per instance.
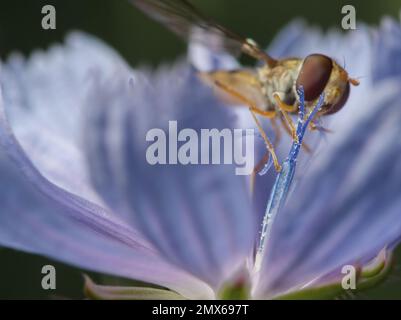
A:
(270, 90)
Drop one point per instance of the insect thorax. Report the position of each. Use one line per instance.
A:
(280, 79)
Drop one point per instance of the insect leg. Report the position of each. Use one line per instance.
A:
(269, 145)
(259, 166)
(254, 111)
(283, 107)
(315, 127)
(262, 163)
(267, 114)
(286, 107)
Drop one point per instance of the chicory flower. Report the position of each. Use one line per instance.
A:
(76, 185)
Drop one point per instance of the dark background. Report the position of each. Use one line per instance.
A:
(140, 40)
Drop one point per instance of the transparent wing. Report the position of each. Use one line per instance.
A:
(181, 17)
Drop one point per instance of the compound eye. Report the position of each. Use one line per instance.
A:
(314, 75)
(330, 109)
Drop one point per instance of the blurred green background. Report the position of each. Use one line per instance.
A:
(140, 40)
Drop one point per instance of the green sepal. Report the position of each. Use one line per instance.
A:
(368, 276)
(325, 292)
(99, 292)
(377, 271)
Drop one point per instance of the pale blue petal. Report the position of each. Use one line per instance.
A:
(36, 214)
(388, 50)
(204, 59)
(44, 98)
(346, 207)
(38, 217)
(198, 216)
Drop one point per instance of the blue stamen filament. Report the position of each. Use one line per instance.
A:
(284, 179)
